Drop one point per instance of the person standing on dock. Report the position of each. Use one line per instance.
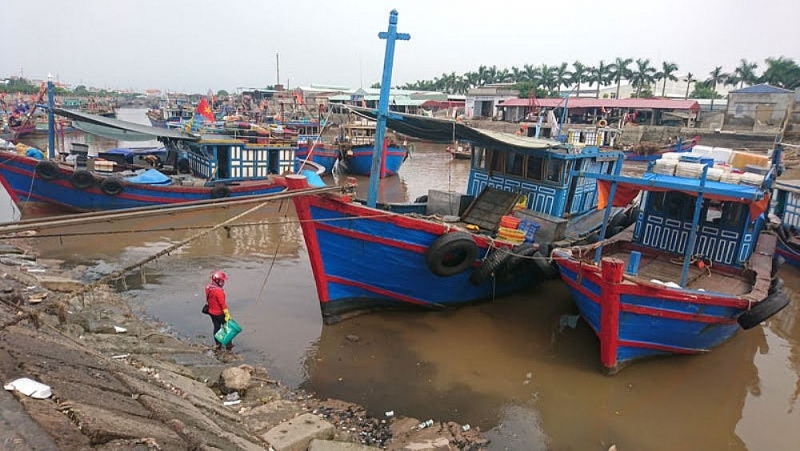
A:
(217, 306)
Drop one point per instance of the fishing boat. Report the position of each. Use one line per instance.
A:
(194, 168)
(523, 196)
(356, 143)
(311, 146)
(786, 206)
(696, 266)
(648, 152)
(460, 151)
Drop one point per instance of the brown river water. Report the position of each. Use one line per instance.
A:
(503, 366)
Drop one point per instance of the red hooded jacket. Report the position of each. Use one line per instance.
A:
(215, 297)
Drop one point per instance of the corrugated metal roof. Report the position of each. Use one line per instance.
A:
(763, 88)
(581, 102)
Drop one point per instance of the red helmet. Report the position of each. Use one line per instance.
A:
(218, 276)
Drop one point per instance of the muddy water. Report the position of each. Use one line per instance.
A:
(505, 366)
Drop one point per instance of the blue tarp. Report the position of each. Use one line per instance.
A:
(150, 177)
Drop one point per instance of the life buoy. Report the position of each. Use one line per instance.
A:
(773, 304)
(82, 179)
(602, 123)
(112, 186)
(219, 191)
(451, 254)
(47, 169)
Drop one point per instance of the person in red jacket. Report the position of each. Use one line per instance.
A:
(217, 307)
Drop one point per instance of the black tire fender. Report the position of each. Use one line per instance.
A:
(219, 191)
(47, 169)
(451, 254)
(762, 311)
(82, 179)
(518, 258)
(495, 258)
(112, 186)
(616, 225)
(421, 199)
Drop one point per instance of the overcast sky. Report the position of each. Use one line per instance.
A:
(197, 45)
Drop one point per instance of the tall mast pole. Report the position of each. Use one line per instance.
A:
(383, 105)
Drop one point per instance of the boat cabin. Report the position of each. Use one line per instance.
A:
(549, 180)
(726, 231)
(219, 160)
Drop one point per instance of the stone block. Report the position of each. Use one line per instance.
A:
(296, 434)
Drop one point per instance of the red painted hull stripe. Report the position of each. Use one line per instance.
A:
(672, 349)
(650, 311)
(374, 289)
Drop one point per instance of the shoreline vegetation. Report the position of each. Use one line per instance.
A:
(119, 382)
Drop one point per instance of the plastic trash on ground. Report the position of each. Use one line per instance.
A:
(30, 387)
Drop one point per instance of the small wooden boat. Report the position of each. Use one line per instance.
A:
(460, 151)
(647, 152)
(356, 144)
(697, 265)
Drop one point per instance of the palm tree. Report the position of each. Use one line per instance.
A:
(561, 77)
(619, 70)
(665, 74)
(577, 75)
(600, 75)
(781, 72)
(689, 80)
(532, 73)
(643, 75)
(547, 77)
(715, 76)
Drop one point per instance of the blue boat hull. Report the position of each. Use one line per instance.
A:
(365, 258)
(358, 160)
(19, 177)
(322, 155)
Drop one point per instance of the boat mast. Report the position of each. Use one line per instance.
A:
(383, 105)
(51, 120)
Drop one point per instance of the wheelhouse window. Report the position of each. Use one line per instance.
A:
(555, 170)
(535, 165)
(479, 158)
(515, 163)
(673, 205)
(497, 161)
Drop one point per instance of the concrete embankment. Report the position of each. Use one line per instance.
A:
(118, 382)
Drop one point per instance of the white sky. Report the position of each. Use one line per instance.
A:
(196, 45)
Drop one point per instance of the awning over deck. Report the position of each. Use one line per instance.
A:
(629, 187)
(99, 123)
(446, 131)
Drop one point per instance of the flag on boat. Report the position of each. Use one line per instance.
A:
(204, 109)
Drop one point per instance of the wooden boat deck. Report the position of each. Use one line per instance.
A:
(668, 268)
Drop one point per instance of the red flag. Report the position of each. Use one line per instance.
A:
(204, 110)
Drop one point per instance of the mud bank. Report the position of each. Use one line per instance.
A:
(119, 382)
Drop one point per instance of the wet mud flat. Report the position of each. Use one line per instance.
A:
(119, 382)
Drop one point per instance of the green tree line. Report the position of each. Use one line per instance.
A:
(644, 77)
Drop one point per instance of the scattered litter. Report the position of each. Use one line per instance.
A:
(424, 425)
(465, 427)
(565, 321)
(35, 270)
(36, 298)
(120, 356)
(672, 285)
(30, 387)
(231, 403)
(232, 396)
(390, 413)
(120, 330)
